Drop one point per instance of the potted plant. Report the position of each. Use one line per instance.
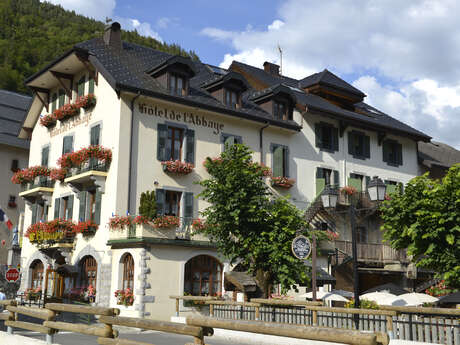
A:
(124, 297)
(281, 181)
(346, 194)
(86, 228)
(163, 222)
(86, 102)
(48, 120)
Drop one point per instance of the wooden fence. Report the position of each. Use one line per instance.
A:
(196, 327)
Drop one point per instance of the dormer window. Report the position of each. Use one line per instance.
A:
(232, 98)
(280, 111)
(177, 84)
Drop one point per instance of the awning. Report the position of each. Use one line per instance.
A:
(322, 277)
(243, 281)
(67, 270)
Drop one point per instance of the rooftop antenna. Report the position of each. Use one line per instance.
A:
(281, 59)
(108, 20)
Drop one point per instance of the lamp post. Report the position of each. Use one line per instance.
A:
(376, 190)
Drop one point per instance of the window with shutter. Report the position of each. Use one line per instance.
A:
(391, 186)
(280, 160)
(326, 137)
(61, 97)
(97, 207)
(67, 144)
(160, 199)
(230, 139)
(57, 208)
(82, 209)
(95, 135)
(320, 180)
(91, 85)
(68, 211)
(358, 145)
(190, 146)
(356, 181)
(45, 155)
(81, 86)
(172, 203)
(34, 213)
(392, 152)
(188, 207)
(53, 101)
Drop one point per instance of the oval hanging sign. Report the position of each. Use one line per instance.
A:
(301, 247)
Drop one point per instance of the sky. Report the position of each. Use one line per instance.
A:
(404, 55)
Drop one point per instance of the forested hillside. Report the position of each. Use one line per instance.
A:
(33, 33)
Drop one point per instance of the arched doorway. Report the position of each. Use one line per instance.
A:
(203, 276)
(36, 269)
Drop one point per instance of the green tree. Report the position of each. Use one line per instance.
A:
(425, 219)
(247, 223)
(148, 205)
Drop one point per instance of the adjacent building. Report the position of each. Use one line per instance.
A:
(110, 120)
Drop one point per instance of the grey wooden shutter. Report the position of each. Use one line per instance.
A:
(188, 209)
(336, 178)
(53, 102)
(34, 213)
(67, 145)
(160, 196)
(399, 154)
(45, 156)
(286, 161)
(277, 161)
(95, 135)
(190, 146)
(82, 210)
(70, 207)
(367, 146)
(368, 179)
(97, 211)
(57, 206)
(162, 134)
(61, 97)
(335, 138)
(385, 151)
(351, 147)
(318, 136)
(81, 86)
(91, 85)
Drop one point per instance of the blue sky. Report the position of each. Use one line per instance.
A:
(403, 54)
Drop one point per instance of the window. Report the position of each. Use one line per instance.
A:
(41, 212)
(90, 206)
(91, 85)
(53, 101)
(81, 86)
(229, 140)
(392, 152)
(95, 135)
(326, 137)
(172, 203)
(169, 203)
(231, 98)
(63, 207)
(360, 182)
(170, 143)
(177, 84)
(203, 276)
(37, 274)
(61, 97)
(174, 143)
(280, 163)
(392, 186)
(88, 271)
(361, 234)
(14, 165)
(128, 272)
(326, 177)
(45, 155)
(358, 145)
(279, 110)
(67, 144)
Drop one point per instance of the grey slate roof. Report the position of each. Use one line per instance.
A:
(13, 109)
(328, 78)
(439, 154)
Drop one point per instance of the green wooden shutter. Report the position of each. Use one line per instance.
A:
(190, 146)
(188, 209)
(91, 85)
(278, 161)
(399, 154)
(385, 151)
(286, 161)
(45, 155)
(70, 207)
(95, 135)
(67, 145)
(81, 86)
(367, 146)
(162, 136)
(336, 178)
(98, 202)
(318, 136)
(160, 196)
(355, 182)
(57, 206)
(61, 97)
(82, 210)
(320, 181)
(34, 213)
(335, 138)
(351, 146)
(53, 102)
(368, 180)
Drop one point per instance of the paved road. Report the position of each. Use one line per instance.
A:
(156, 338)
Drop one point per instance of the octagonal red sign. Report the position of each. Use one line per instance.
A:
(12, 275)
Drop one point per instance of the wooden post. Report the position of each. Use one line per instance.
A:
(257, 313)
(177, 306)
(390, 327)
(315, 317)
(211, 310)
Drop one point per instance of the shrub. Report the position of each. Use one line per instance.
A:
(148, 205)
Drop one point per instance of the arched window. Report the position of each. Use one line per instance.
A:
(128, 271)
(88, 271)
(37, 274)
(203, 276)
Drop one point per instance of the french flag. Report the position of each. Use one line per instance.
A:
(4, 218)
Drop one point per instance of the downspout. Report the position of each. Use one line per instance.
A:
(131, 150)
(261, 142)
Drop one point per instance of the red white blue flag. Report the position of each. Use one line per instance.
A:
(4, 218)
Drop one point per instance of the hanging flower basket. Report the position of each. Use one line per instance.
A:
(177, 167)
(164, 222)
(281, 181)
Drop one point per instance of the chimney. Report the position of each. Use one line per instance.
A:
(112, 35)
(272, 68)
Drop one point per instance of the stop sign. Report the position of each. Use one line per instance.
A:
(12, 275)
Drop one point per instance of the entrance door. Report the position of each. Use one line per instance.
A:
(54, 285)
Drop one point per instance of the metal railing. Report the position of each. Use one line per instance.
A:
(40, 181)
(378, 252)
(91, 165)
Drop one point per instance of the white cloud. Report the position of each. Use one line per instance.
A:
(412, 45)
(165, 22)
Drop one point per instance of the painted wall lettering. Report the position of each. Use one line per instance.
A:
(72, 123)
(174, 115)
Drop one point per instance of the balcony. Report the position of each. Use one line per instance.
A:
(41, 187)
(57, 233)
(373, 252)
(90, 173)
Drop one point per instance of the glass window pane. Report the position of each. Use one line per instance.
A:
(172, 83)
(180, 85)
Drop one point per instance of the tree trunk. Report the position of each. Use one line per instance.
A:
(265, 282)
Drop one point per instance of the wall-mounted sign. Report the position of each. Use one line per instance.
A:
(71, 123)
(301, 247)
(41, 236)
(186, 117)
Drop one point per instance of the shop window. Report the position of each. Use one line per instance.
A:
(177, 84)
(203, 276)
(88, 271)
(230, 139)
(128, 271)
(280, 164)
(326, 177)
(326, 137)
(359, 145)
(37, 274)
(392, 152)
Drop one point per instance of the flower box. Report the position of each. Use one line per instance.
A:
(177, 167)
(347, 195)
(48, 120)
(80, 158)
(66, 111)
(28, 175)
(87, 228)
(124, 297)
(86, 102)
(166, 222)
(281, 181)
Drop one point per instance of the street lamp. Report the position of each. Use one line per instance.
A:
(376, 189)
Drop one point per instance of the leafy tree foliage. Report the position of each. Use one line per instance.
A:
(33, 33)
(426, 221)
(148, 205)
(247, 223)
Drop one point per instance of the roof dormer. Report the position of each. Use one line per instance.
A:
(278, 100)
(174, 74)
(227, 88)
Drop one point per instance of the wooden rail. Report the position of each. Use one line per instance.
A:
(287, 302)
